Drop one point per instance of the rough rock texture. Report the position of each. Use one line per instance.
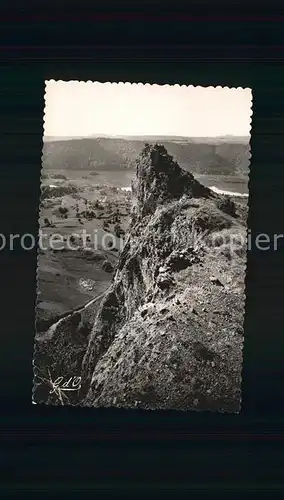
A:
(159, 179)
(168, 333)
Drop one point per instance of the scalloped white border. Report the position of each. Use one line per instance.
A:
(84, 82)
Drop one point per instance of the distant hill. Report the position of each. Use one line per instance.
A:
(220, 156)
(176, 138)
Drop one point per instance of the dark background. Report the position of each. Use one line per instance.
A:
(52, 449)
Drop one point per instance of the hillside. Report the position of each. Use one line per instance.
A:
(168, 333)
(225, 156)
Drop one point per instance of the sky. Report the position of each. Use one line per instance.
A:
(88, 108)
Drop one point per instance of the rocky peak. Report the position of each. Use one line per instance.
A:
(152, 344)
(168, 332)
(160, 179)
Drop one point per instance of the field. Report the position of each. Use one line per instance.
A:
(68, 278)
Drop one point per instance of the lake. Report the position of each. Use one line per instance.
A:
(122, 178)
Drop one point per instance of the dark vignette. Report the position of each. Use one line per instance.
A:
(38, 52)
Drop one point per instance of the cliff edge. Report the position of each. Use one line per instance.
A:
(169, 332)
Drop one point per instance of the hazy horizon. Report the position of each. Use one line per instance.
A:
(86, 109)
(145, 135)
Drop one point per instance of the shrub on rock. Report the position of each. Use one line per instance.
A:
(107, 266)
(226, 205)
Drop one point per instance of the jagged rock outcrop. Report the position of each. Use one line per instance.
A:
(167, 335)
(160, 179)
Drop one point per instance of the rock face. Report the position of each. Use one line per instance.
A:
(167, 335)
(159, 179)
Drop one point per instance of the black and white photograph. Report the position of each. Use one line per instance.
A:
(142, 246)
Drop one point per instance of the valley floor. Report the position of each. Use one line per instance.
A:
(67, 277)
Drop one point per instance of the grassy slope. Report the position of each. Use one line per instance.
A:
(69, 278)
